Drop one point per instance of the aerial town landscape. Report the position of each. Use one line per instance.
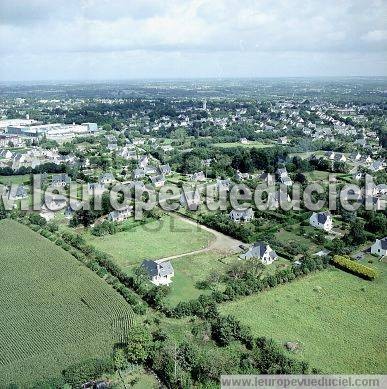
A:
(165, 232)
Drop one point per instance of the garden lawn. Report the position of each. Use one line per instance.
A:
(154, 240)
(191, 269)
(338, 318)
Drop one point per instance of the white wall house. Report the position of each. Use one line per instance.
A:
(379, 247)
(322, 220)
(120, 215)
(159, 273)
(261, 251)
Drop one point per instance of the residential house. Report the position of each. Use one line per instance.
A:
(59, 180)
(223, 184)
(245, 215)
(121, 214)
(55, 202)
(106, 178)
(138, 173)
(17, 192)
(268, 178)
(5, 154)
(165, 169)
(158, 181)
(355, 157)
(339, 157)
(95, 188)
(322, 220)
(241, 176)
(379, 247)
(283, 177)
(261, 251)
(143, 161)
(198, 176)
(150, 170)
(377, 165)
(159, 273)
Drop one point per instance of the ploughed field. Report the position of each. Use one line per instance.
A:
(54, 311)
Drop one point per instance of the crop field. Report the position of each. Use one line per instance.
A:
(338, 319)
(54, 311)
(157, 239)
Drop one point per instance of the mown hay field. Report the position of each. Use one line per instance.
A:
(54, 311)
(158, 239)
(338, 319)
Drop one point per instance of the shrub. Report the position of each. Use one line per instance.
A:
(345, 263)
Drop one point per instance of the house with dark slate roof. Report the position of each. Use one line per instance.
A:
(121, 214)
(379, 247)
(17, 192)
(159, 273)
(262, 251)
(245, 215)
(322, 220)
(106, 178)
(165, 169)
(60, 180)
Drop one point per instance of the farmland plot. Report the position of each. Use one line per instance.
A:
(54, 311)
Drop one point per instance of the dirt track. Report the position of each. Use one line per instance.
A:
(221, 243)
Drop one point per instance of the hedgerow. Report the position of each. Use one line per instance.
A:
(345, 263)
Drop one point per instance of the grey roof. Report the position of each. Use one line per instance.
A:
(165, 169)
(383, 243)
(159, 178)
(157, 269)
(322, 217)
(61, 178)
(18, 191)
(260, 248)
(242, 214)
(106, 176)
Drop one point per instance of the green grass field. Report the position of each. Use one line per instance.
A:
(16, 180)
(191, 269)
(54, 311)
(339, 319)
(157, 239)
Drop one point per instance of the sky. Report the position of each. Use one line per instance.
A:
(157, 39)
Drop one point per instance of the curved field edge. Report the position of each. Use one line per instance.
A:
(338, 319)
(55, 311)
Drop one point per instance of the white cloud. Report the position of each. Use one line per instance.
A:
(190, 31)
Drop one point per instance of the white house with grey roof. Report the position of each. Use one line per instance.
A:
(283, 177)
(106, 178)
(165, 169)
(59, 180)
(245, 215)
(262, 251)
(17, 192)
(159, 273)
(121, 214)
(379, 247)
(158, 181)
(322, 220)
